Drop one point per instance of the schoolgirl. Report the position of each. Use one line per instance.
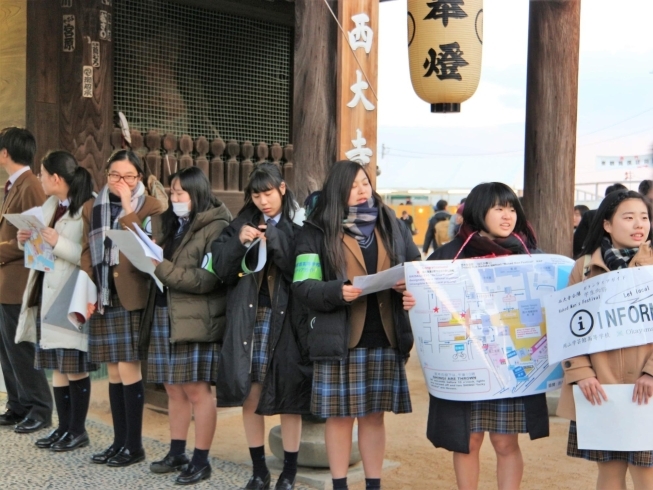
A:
(494, 224)
(619, 237)
(359, 343)
(188, 319)
(67, 212)
(261, 366)
(122, 295)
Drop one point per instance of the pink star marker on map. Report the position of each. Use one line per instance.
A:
(436, 310)
(463, 314)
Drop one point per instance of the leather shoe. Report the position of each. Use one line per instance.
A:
(50, 439)
(10, 418)
(284, 483)
(104, 456)
(70, 441)
(256, 483)
(28, 425)
(169, 463)
(192, 474)
(127, 457)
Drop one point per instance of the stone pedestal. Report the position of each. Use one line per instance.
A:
(312, 448)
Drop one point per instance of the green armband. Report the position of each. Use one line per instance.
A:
(307, 266)
(207, 263)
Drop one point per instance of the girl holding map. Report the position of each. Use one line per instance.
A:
(494, 224)
(359, 342)
(122, 296)
(67, 212)
(619, 237)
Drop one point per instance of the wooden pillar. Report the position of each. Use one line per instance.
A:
(314, 94)
(357, 83)
(551, 115)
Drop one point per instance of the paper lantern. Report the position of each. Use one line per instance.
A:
(445, 41)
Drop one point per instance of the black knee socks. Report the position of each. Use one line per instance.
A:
(340, 483)
(80, 397)
(117, 401)
(62, 402)
(258, 461)
(289, 465)
(134, 401)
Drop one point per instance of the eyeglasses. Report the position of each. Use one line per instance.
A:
(115, 178)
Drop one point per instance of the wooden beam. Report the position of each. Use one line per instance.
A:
(314, 94)
(551, 116)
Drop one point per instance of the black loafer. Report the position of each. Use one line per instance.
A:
(127, 457)
(27, 425)
(192, 474)
(169, 463)
(70, 441)
(256, 483)
(104, 456)
(284, 483)
(10, 418)
(50, 439)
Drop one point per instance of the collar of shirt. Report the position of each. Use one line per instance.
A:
(13, 177)
(64, 203)
(276, 219)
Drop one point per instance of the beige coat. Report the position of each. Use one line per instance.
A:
(619, 366)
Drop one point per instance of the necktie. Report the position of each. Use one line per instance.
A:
(61, 210)
(7, 184)
(271, 222)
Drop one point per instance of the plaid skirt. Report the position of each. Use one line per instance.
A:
(260, 353)
(113, 337)
(178, 363)
(503, 416)
(66, 361)
(635, 458)
(368, 381)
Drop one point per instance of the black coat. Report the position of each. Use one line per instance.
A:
(324, 302)
(449, 422)
(287, 384)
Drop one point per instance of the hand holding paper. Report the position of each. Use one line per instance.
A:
(139, 253)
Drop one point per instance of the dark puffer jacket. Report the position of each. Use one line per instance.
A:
(327, 328)
(287, 384)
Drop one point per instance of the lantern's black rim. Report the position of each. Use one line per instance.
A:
(442, 108)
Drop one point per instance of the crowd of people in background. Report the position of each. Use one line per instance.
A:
(262, 307)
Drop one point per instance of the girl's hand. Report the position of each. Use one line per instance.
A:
(644, 255)
(400, 287)
(643, 389)
(125, 194)
(155, 262)
(409, 300)
(591, 388)
(23, 235)
(350, 293)
(90, 309)
(248, 234)
(50, 236)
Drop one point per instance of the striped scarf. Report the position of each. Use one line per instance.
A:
(361, 221)
(616, 258)
(104, 253)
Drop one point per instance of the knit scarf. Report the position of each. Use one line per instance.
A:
(616, 258)
(104, 253)
(481, 246)
(361, 221)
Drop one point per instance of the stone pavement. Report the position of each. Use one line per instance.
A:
(24, 466)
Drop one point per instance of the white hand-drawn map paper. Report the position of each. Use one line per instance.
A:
(605, 312)
(479, 325)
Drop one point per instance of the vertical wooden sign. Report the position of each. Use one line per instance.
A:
(357, 82)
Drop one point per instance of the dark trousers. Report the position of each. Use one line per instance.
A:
(28, 392)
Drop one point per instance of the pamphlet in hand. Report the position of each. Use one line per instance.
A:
(152, 249)
(139, 253)
(373, 283)
(38, 253)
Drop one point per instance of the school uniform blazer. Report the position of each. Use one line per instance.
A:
(618, 366)
(131, 284)
(67, 252)
(23, 195)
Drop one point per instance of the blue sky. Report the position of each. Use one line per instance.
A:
(485, 141)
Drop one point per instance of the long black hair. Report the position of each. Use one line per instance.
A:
(79, 180)
(484, 197)
(265, 177)
(605, 213)
(333, 206)
(193, 181)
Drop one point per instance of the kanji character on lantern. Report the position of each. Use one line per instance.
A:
(445, 64)
(446, 9)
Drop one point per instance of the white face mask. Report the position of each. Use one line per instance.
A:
(181, 209)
